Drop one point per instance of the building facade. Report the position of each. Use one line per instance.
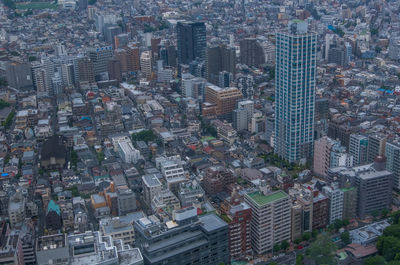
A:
(295, 92)
(271, 219)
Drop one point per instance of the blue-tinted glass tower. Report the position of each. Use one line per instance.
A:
(295, 92)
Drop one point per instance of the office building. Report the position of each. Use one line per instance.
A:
(16, 209)
(114, 70)
(225, 99)
(335, 196)
(100, 56)
(251, 52)
(126, 201)
(238, 216)
(349, 202)
(19, 75)
(151, 187)
(302, 214)
(121, 227)
(243, 114)
(52, 249)
(217, 179)
(92, 247)
(67, 75)
(320, 210)
(358, 149)
(220, 59)
(392, 153)
(294, 112)
(48, 66)
(165, 201)
(187, 239)
(85, 71)
(239, 119)
(192, 87)
(373, 183)
(121, 55)
(245, 83)
(172, 170)
(271, 219)
(110, 32)
(322, 155)
(121, 40)
(225, 79)
(146, 64)
(191, 194)
(133, 57)
(394, 48)
(376, 146)
(340, 130)
(127, 152)
(191, 41)
(39, 79)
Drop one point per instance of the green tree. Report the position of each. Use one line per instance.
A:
(9, 3)
(388, 247)
(314, 233)
(272, 263)
(14, 53)
(284, 245)
(306, 236)
(395, 216)
(145, 135)
(345, 237)
(8, 122)
(74, 158)
(100, 156)
(384, 213)
(392, 230)
(92, 2)
(375, 213)
(74, 191)
(299, 259)
(338, 224)
(277, 247)
(323, 250)
(298, 241)
(32, 58)
(4, 104)
(375, 260)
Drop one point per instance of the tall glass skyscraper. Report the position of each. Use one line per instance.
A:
(295, 92)
(192, 42)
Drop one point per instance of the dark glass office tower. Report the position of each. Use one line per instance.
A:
(192, 43)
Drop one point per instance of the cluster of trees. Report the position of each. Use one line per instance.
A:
(7, 123)
(275, 160)
(284, 245)
(388, 244)
(4, 104)
(209, 129)
(323, 250)
(145, 135)
(9, 3)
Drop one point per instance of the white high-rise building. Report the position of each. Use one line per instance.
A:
(295, 73)
(335, 196)
(392, 153)
(146, 64)
(271, 219)
(358, 148)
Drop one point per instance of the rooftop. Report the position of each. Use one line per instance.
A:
(261, 199)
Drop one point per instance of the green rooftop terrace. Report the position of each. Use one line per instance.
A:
(261, 199)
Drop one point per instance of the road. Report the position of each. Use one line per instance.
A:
(288, 259)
